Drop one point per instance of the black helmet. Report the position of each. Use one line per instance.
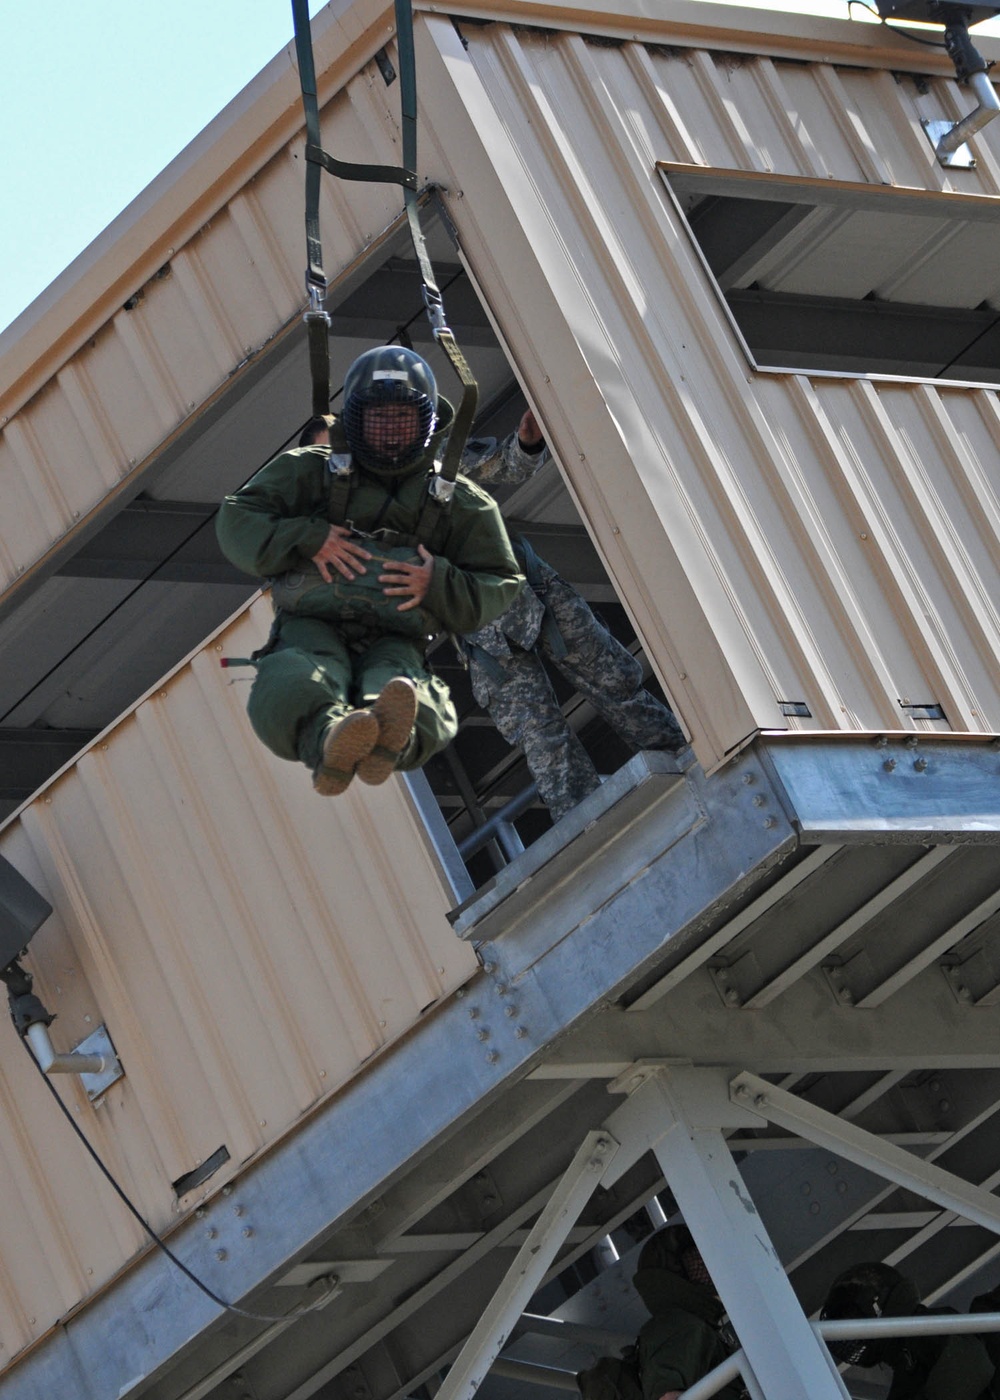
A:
(860, 1291)
(388, 375)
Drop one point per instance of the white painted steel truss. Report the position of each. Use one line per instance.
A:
(681, 1114)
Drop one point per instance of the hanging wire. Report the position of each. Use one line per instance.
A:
(160, 1244)
(893, 28)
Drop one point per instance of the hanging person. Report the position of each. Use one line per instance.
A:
(368, 558)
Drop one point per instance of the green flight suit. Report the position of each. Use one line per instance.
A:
(681, 1341)
(932, 1367)
(320, 668)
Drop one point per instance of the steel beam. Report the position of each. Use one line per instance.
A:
(931, 787)
(783, 1351)
(866, 1150)
(488, 1337)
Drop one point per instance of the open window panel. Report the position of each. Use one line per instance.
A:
(840, 278)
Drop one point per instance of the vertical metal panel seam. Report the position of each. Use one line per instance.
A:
(149, 370)
(178, 974)
(873, 168)
(942, 655)
(678, 139)
(262, 246)
(94, 425)
(36, 1208)
(207, 311)
(779, 105)
(832, 455)
(42, 485)
(42, 1205)
(730, 122)
(822, 559)
(759, 559)
(971, 584)
(42, 827)
(259, 970)
(354, 1007)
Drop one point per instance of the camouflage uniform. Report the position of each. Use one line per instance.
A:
(550, 618)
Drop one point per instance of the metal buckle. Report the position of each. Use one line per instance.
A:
(440, 490)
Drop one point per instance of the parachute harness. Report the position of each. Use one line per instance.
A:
(316, 318)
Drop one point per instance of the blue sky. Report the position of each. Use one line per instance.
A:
(98, 96)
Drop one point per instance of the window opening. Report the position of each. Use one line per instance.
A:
(836, 278)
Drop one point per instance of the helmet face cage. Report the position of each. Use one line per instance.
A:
(394, 378)
(858, 1293)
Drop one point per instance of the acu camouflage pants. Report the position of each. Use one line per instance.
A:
(522, 704)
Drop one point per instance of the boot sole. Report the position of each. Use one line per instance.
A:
(344, 748)
(395, 709)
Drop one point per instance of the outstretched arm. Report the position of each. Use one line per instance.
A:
(514, 460)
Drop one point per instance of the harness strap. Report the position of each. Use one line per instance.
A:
(317, 320)
(432, 515)
(433, 301)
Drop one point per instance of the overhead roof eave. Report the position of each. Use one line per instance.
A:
(736, 28)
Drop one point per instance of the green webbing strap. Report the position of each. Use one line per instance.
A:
(433, 300)
(317, 321)
(316, 318)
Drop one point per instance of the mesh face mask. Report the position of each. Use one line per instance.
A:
(854, 1298)
(695, 1269)
(389, 443)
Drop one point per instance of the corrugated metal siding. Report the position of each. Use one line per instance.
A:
(248, 947)
(214, 302)
(836, 539)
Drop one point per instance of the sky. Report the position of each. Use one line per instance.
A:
(98, 96)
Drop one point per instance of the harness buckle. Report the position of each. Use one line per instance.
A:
(440, 490)
(316, 291)
(435, 312)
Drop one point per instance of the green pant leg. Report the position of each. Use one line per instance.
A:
(300, 686)
(436, 723)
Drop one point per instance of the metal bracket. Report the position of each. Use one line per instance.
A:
(99, 1043)
(974, 981)
(959, 159)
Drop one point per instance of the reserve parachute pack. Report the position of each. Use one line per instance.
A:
(359, 603)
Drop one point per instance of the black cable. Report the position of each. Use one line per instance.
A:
(966, 348)
(894, 29)
(178, 1263)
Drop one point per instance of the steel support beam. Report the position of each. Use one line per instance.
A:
(488, 1337)
(679, 1114)
(866, 1150)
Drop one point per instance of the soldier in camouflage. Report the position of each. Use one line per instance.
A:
(549, 618)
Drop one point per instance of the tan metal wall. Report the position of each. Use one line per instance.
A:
(90, 392)
(248, 947)
(778, 538)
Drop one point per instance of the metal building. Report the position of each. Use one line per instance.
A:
(409, 1076)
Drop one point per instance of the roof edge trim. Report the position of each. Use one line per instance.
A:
(698, 23)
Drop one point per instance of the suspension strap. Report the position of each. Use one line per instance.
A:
(316, 318)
